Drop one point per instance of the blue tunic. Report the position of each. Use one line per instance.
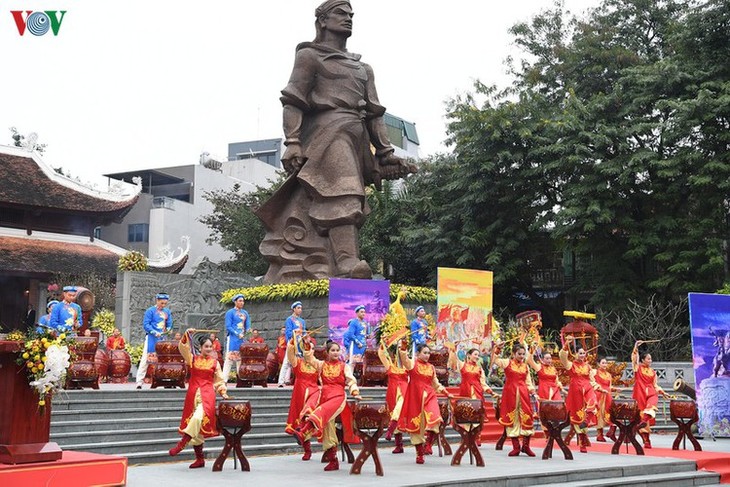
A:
(237, 323)
(43, 323)
(419, 331)
(292, 324)
(155, 323)
(64, 316)
(356, 335)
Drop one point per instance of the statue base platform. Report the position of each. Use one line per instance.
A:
(93, 468)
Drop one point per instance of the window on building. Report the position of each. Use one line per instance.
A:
(267, 156)
(97, 232)
(138, 232)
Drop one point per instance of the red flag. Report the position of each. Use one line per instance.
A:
(444, 313)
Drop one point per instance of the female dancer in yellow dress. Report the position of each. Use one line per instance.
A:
(473, 379)
(335, 376)
(581, 401)
(420, 416)
(198, 418)
(646, 391)
(304, 394)
(516, 408)
(603, 378)
(394, 395)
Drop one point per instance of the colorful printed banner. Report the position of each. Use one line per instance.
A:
(464, 308)
(709, 316)
(346, 295)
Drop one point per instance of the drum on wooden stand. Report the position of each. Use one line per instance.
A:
(170, 371)
(374, 372)
(119, 366)
(683, 412)
(82, 371)
(370, 415)
(468, 420)
(253, 369)
(468, 411)
(440, 359)
(683, 408)
(234, 414)
(625, 415)
(234, 420)
(272, 365)
(369, 419)
(101, 362)
(624, 410)
(554, 417)
(553, 411)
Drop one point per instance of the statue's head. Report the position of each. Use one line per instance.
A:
(333, 15)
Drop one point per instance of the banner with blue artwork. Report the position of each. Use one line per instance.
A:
(709, 316)
(346, 295)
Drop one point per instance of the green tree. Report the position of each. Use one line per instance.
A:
(637, 162)
(236, 228)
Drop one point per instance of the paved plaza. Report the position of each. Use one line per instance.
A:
(401, 470)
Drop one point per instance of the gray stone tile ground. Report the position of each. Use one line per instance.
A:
(401, 470)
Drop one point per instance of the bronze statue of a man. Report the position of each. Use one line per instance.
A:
(332, 117)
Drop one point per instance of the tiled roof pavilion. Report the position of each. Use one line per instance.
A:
(27, 182)
(47, 220)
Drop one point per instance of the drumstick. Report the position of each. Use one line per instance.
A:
(313, 331)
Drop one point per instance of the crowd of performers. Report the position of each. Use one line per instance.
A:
(320, 390)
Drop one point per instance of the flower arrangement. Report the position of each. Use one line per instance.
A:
(104, 321)
(16, 336)
(132, 261)
(393, 328)
(46, 358)
(135, 353)
(317, 289)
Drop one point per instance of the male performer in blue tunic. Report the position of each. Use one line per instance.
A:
(356, 335)
(419, 328)
(238, 323)
(295, 325)
(157, 320)
(66, 315)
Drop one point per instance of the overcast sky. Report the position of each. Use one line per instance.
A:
(135, 84)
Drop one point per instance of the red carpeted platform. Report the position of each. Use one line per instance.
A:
(711, 461)
(74, 469)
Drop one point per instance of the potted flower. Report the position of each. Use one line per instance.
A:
(103, 321)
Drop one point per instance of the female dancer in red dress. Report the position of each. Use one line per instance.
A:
(420, 417)
(473, 380)
(549, 387)
(304, 395)
(394, 395)
(335, 376)
(646, 391)
(198, 418)
(516, 408)
(603, 378)
(581, 400)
